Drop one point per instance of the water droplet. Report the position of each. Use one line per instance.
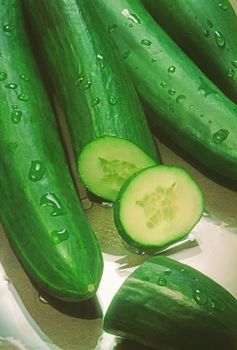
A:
(183, 270)
(217, 305)
(95, 102)
(171, 92)
(24, 77)
(234, 63)
(112, 28)
(51, 200)
(79, 80)
(154, 59)
(191, 106)
(102, 61)
(112, 100)
(7, 28)
(87, 85)
(230, 73)
(146, 42)
(220, 136)
(171, 69)
(12, 86)
(211, 25)
(3, 76)
(58, 236)
(162, 281)
(131, 16)
(223, 6)
(126, 54)
(205, 88)
(206, 32)
(220, 39)
(180, 98)
(200, 297)
(86, 203)
(130, 25)
(16, 116)
(163, 84)
(107, 204)
(23, 96)
(37, 170)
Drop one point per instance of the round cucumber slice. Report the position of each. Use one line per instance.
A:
(106, 162)
(157, 206)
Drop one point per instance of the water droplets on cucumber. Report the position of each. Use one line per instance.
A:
(86, 203)
(37, 170)
(204, 88)
(58, 236)
(51, 200)
(3, 76)
(95, 102)
(180, 98)
(230, 73)
(206, 32)
(87, 84)
(234, 63)
(220, 136)
(171, 92)
(79, 80)
(113, 100)
(217, 305)
(200, 297)
(171, 69)
(223, 6)
(16, 114)
(146, 42)
(220, 39)
(23, 96)
(101, 60)
(11, 86)
(7, 28)
(163, 84)
(131, 16)
(24, 77)
(162, 281)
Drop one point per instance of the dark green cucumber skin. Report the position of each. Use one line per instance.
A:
(193, 121)
(192, 24)
(63, 270)
(153, 314)
(73, 32)
(148, 248)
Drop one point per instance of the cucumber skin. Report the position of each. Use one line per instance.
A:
(191, 123)
(186, 20)
(76, 42)
(67, 269)
(149, 248)
(151, 314)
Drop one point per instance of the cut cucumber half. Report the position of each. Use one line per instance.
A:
(157, 206)
(106, 162)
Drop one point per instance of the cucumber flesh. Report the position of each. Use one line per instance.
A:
(157, 206)
(106, 162)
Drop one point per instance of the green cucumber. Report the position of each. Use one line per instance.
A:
(206, 31)
(186, 105)
(40, 209)
(157, 206)
(164, 302)
(109, 131)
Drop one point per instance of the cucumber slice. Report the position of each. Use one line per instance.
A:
(157, 206)
(106, 162)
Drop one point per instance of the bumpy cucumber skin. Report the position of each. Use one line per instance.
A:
(84, 69)
(186, 105)
(193, 25)
(149, 248)
(70, 270)
(156, 305)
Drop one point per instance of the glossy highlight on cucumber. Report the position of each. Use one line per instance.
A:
(110, 135)
(40, 209)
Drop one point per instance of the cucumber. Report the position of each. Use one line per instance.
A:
(186, 105)
(164, 302)
(40, 209)
(165, 202)
(110, 134)
(205, 30)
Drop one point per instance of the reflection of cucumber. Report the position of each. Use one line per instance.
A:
(166, 302)
(40, 210)
(157, 206)
(206, 30)
(109, 131)
(186, 105)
